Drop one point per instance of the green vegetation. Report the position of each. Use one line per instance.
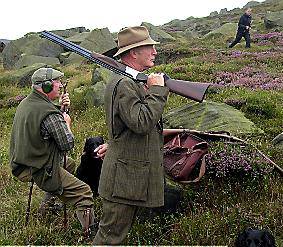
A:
(215, 209)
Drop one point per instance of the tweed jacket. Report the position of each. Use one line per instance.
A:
(132, 171)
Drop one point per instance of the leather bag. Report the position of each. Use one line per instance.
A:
(182, 153)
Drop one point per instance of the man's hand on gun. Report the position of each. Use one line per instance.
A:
(155, 79)
(64, 101)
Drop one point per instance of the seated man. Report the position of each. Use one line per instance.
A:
(41, 134)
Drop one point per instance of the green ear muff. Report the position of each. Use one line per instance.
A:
(47, 85)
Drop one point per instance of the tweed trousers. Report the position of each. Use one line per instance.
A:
(115, 223)
(75, 191)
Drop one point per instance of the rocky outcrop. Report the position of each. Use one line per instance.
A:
(251, 4)
(272, 1)
(273, 19)
(1, 60)
(157, 33)
(98, 40)
(21, 77)
(3, 43)
(199, 26)
(29, 45)
(70, 32)
(100, 74)
(2, 46)
(28, 60)
(24, 75)
(226, 30)
(223, 11)
(95, 94)
(214, 13)
(78, 38)
(178, 25)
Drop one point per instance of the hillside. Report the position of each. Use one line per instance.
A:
(213, 210)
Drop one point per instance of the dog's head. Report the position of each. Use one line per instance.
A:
(255, 238)
(91, 144)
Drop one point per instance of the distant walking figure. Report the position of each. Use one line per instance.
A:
(244, 27)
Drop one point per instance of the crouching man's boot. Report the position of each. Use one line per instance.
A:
(86, 218)
(48, 204)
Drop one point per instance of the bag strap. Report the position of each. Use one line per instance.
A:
(176, 142)
(180, 161)
(201, 172)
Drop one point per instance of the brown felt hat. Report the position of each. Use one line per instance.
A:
(132, 37)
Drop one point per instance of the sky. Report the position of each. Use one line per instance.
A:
(18, 17)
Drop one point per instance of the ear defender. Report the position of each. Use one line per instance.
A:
(47, 86)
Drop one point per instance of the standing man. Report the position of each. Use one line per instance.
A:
(41, 134)
(244, 27)
(132, 173)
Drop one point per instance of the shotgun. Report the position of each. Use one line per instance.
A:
(192, 90)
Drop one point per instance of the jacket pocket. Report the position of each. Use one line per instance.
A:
(131, 180)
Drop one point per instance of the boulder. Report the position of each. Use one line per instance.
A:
(98, 40)
(272, 1)
(78, 38)
(100, 74)
(251, 4)
(226, 30)
(210, 116)
(3, 43)
(95, 94)
(204, 26)
(70, 32)
(178, 25)
(214, 13)
(64, 56)
(2, 46)
(223, 11)
(190, 34)
(157, 33)
(21, 77)
(199, 26)
(28, 60)
(29, 45)
(24, 75)
(273, 19)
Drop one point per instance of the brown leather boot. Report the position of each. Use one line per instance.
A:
(86, 218)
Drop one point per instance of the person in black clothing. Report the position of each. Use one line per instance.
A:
(244, 27)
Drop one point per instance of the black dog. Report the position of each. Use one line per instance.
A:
(90, 168)
(255, 238)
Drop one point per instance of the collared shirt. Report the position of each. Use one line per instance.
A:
(55, 127)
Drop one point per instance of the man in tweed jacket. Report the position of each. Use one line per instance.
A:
(132, 174)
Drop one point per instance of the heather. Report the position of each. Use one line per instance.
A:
(238, 160)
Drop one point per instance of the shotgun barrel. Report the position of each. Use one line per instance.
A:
(192, 90)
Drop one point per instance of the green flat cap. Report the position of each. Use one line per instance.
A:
(45, 74)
